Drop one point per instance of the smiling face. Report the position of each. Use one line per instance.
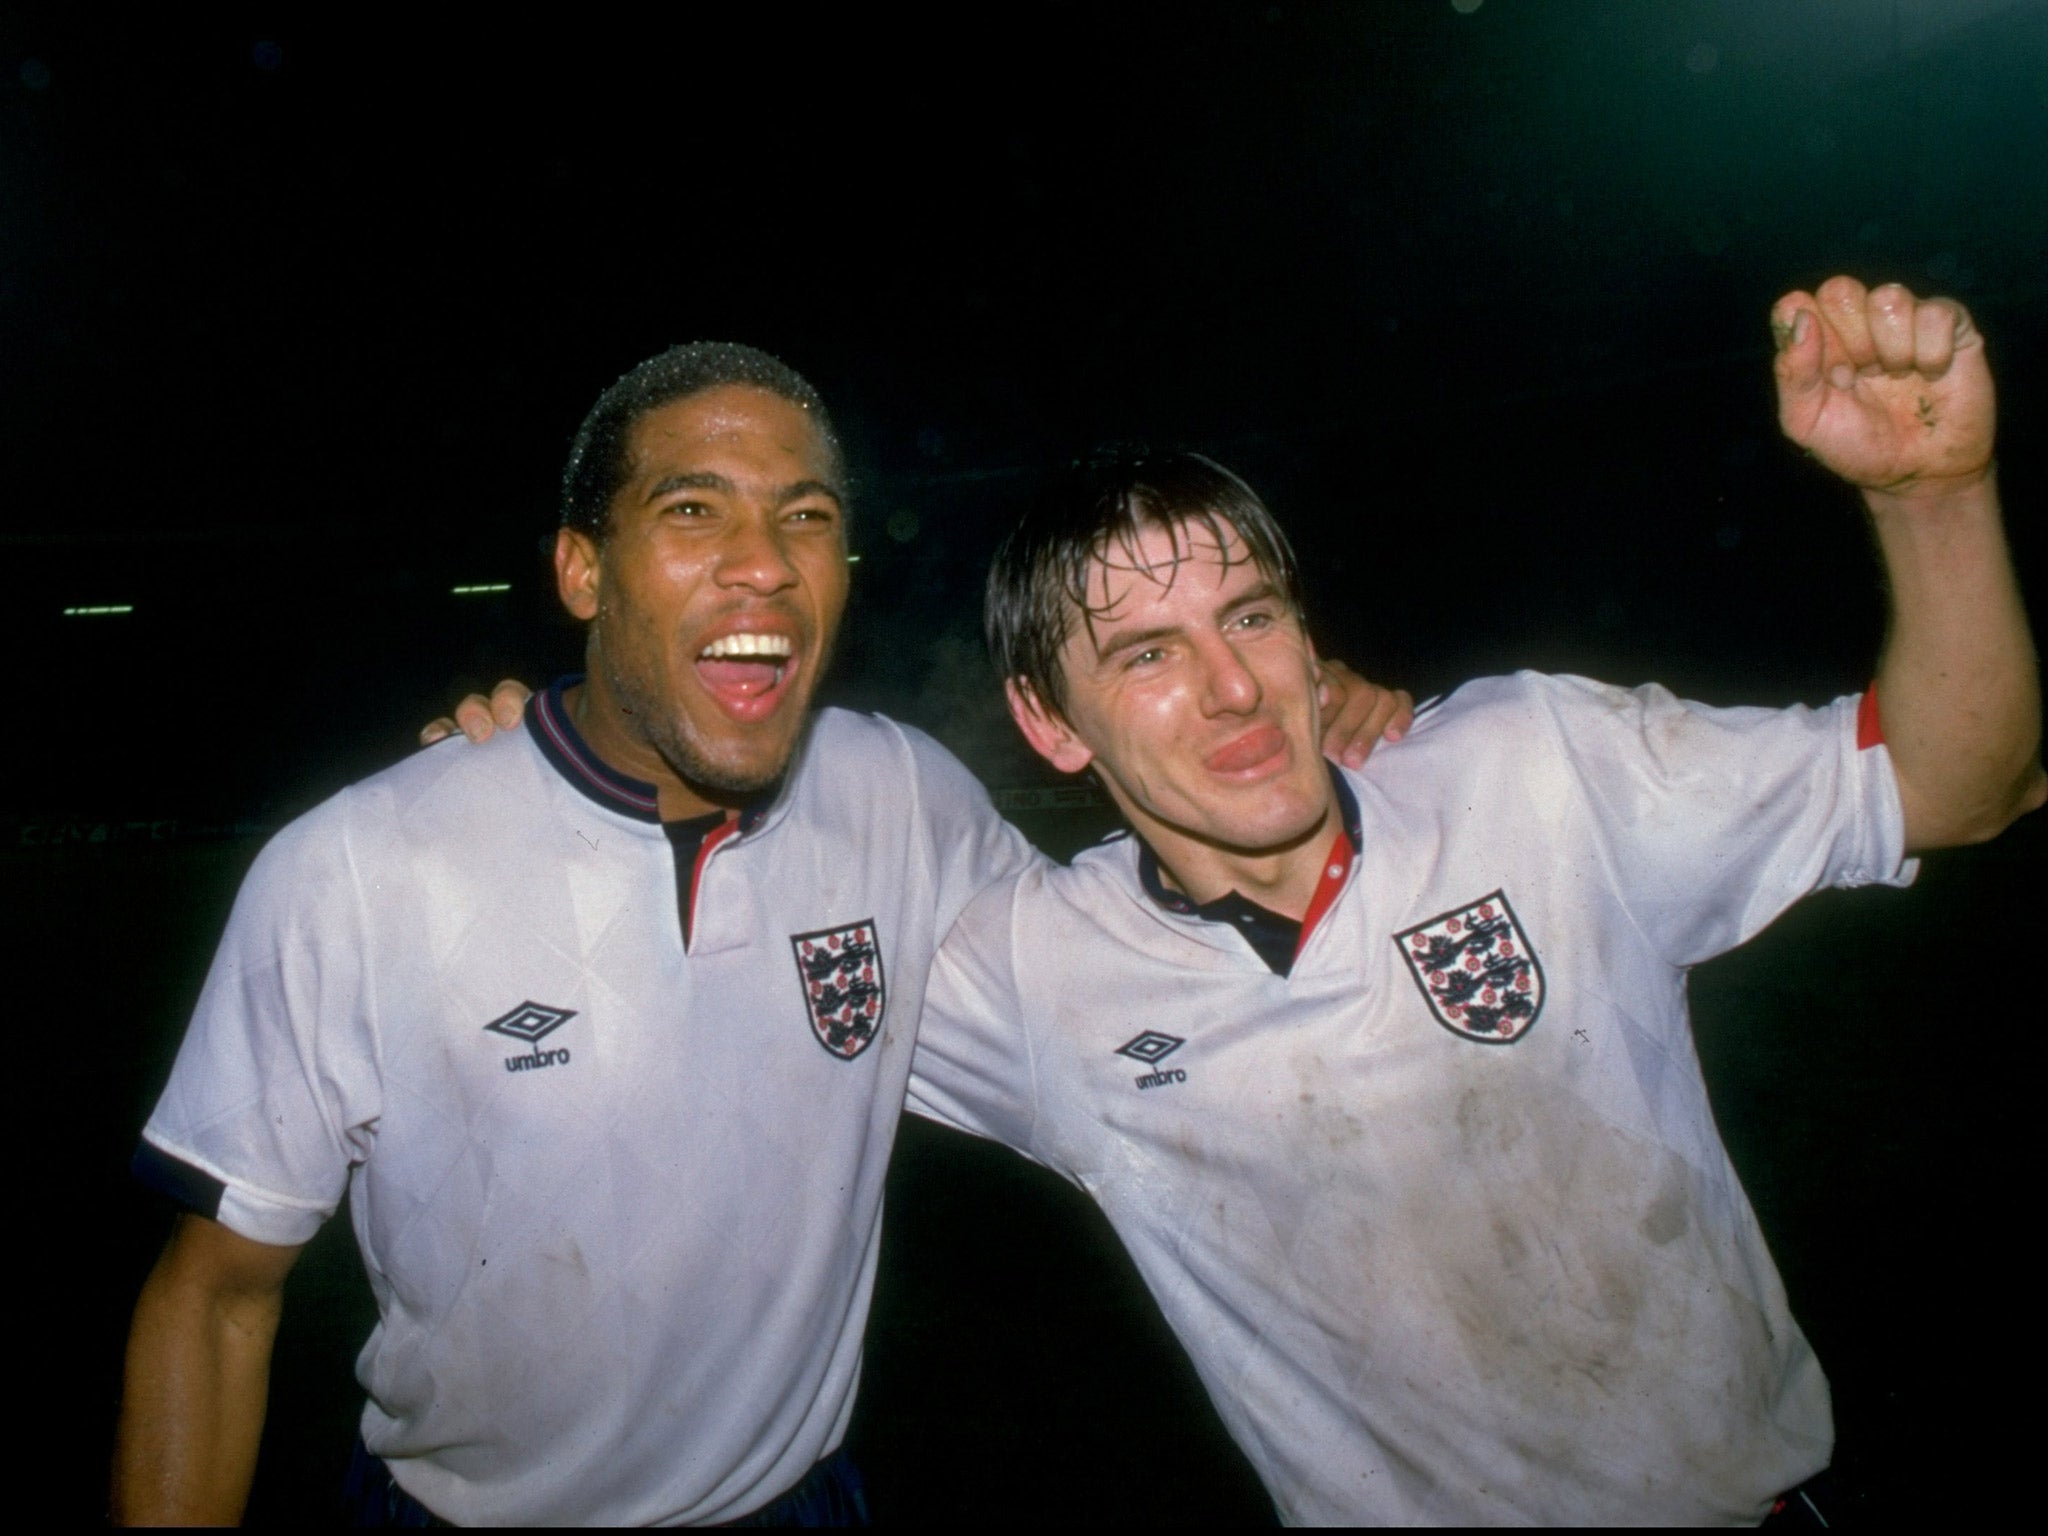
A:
(714, 598)
(1191, 689)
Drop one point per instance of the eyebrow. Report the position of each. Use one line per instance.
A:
(706, 480)
(1131, 639)
(1264, 592)
(1124, 640)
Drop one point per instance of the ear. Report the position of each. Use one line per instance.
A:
(577, 570)
(1050, 735)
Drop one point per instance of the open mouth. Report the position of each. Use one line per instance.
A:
(745, 672)
(1254, 749)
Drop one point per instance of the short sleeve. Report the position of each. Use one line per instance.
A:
(972, 845)
(1711, 822)
(274, 1093)
(973, 1069)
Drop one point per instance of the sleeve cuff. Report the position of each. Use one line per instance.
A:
(190, 1189)
(256, 1214)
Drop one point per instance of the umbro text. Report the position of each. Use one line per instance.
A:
(537, 1059)
(1162, 1079)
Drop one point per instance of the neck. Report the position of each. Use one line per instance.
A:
(1281, 879)
(604, 726)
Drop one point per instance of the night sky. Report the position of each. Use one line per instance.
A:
(298, 321)
(297, 318)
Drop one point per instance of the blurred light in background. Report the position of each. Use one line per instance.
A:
(482, 587)
(99, 611)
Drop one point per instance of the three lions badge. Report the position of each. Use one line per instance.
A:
(841, 971)
(1477, 970)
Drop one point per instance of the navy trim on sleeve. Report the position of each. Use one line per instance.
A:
(189, 1188)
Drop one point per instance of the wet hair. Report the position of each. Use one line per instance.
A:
(1038, 582)
(598, 456)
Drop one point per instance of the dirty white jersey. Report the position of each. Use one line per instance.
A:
(1441, 1213)
(618, 1195)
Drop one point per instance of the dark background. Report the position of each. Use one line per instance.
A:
(297, 318)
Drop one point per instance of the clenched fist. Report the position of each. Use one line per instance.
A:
(1888, 390)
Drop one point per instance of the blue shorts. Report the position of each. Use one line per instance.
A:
(832, 1494)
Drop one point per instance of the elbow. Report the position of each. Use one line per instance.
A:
(2027, 792)
(1931, 824)
(2033, 794)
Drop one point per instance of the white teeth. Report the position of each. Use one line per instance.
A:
(747, 645)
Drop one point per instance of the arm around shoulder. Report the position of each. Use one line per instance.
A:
(197, 1377)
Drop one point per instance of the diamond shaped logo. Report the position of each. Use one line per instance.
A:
(531, 1021)
(1150, 1047)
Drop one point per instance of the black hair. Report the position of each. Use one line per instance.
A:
(598, 463)
(1039, 579)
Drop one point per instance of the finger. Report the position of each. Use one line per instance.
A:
(1842, 303)
(1890, 314)
(1378, 724)
(1347, 700)
(1342, 723)
(1795, 328)
(508, 702)
(1802, 379)
(1784, 313)
(437, 730)
(473, 714)
(1937, 324)
(1404, 714)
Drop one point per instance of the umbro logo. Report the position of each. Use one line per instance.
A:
(1151, 1048)
(531, 1023)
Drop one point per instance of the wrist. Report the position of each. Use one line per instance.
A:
(1974, 491)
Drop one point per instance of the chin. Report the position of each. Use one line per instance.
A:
(1275, 832)
(726, 768)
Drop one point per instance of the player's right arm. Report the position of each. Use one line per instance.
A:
(198, 1375)
(276, 1094)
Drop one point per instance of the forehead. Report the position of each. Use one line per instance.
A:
(730, 421)
(1167, 566)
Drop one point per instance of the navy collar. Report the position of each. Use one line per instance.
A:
(1230, 906)
(555, 733)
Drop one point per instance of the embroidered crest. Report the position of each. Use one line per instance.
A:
(841, 971)
(1475, 966)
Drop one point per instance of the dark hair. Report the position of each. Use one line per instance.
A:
(598, 464)
(1039, 579)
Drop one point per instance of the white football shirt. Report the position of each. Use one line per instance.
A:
(618, 1199)
(1442, 1214)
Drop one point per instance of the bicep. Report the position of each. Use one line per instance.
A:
(208, 1261)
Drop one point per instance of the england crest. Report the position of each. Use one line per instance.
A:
(841, 972)
(1476, 968)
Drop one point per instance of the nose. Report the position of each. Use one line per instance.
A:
(754, 558)
(1228, 686)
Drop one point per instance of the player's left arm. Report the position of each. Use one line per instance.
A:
(1892, 392)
